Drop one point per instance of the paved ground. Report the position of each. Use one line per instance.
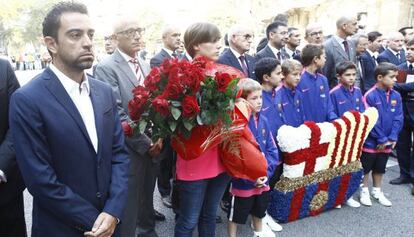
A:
(377, 220)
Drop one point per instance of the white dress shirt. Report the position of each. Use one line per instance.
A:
(275, 52)
(238, 57)
(80, 97)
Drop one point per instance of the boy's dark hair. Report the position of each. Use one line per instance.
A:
(409, 43)
(404, 30)
(51, 23)
(265, 66)
(273, 26)
(309, 52)
(372, 36)
(384, 68)
(342, 67)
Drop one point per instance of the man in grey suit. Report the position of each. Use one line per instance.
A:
(338, 48)
(123, 70)
(171, 42)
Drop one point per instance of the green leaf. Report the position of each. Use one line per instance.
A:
(176, 103)
(176, 113)
(173, 125)
(142, 126)
(188, 125)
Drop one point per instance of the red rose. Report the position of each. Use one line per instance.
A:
(128, 131)
(223, 80)
(137, 105)
(153, 79)
(174, 88)
(190, 106)
(161, 105)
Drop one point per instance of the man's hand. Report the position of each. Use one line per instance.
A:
(261, 182)
(155, 148)
(104, 226)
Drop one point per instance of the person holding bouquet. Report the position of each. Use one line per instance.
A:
(201, 181)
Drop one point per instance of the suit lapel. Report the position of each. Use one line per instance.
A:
(59, 92)
(234, 61)
(339, 49)
(125, 69)
(270, 52)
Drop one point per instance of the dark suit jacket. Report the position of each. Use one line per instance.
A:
(296, 56)
(335, 54)
(407, 94)
(71, 184)
(368, 67)
(388, 56)
(159, 58)
(228, 58)
(14, 185)
(268, 53)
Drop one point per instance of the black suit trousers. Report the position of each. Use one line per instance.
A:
(12, 223)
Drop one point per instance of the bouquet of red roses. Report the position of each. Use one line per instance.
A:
(178, 96)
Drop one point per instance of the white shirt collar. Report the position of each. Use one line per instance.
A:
(288, 51)
(124, 55)
(71, 86)
(235, 53)
(372, 54)
(170, 52)
(392, 51)
(274, 50)
(339, 39)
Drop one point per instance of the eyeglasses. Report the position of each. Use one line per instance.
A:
(130, 33)
(108, 38)
(316, 33)
(247, 36)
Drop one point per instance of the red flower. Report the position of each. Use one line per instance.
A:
(137, 105)
(190, 106)
(153, 79)
(161, 105)
(223, 80)
(128, 131)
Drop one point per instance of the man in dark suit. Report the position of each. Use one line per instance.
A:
(338, 48)
(171, 42)
(240, 39)
(293, 41)
(277, 35)
(394, 53)
(68, 138)
(408, 33)
(369, 61)
(124, 71)
(12, 223)
(405, 143)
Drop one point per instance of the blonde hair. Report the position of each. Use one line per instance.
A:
(289, 65)
(248, 85)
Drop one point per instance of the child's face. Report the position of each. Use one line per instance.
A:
(275, 77)
(388, 80)
(320, 61)
(255, 100)
(292, 79)
(348, 77)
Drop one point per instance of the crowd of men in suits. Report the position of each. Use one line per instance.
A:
(38, 137)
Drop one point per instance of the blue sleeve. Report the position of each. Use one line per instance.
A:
(272, 153)
(376, 131)
(397, 122)
(331, 115)
(361, 102)
(334, 103)
(34, 160)
(120, 164)
(404, 87)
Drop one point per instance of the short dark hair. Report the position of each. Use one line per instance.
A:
(309, 52)
(342, 67)
(51, 23)
(373, 35)
(199, 33)
(265, 66)
(409, 43)
(404, 29)
(384, 68)
(272, 26)
(291, 29)
(226, 40)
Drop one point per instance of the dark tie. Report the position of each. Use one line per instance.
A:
(244, 66)
(278, 56)
(174, 55)
(410, 67)
(137, 71)
(398, 57)
(346, 47)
